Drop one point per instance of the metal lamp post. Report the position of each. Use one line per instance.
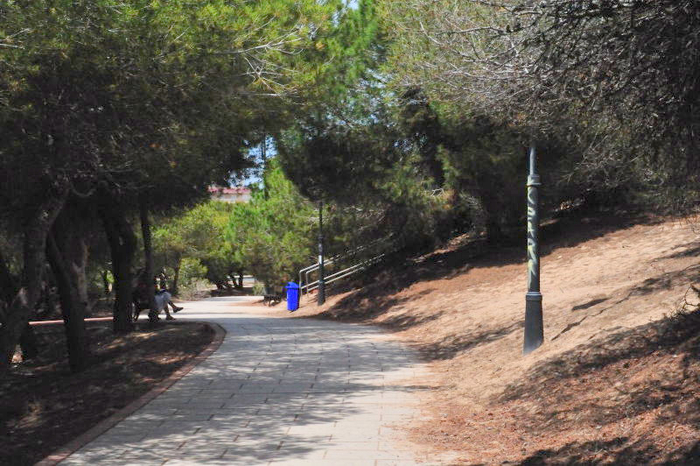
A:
(321, 283)
(534, 332)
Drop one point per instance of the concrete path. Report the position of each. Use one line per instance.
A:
(278, 391)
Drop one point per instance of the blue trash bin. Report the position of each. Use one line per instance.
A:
(292, 296)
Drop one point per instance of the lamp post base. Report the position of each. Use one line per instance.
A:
(321, 292)
(534, 328)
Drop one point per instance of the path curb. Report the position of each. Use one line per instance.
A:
(106, 424)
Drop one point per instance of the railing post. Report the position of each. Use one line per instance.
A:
(534, 331)
(321, 284)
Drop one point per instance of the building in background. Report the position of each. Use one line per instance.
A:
(236, 194)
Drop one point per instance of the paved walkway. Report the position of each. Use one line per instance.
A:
(278, 391)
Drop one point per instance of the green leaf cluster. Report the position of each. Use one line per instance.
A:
(144, 94)
(273, 233)
(198, 235)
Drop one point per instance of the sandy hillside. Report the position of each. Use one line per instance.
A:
(604, 280)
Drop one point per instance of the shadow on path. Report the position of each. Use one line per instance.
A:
(282, 390)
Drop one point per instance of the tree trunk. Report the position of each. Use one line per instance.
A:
(28, 343)
(50, 299)
(148, 256)
(8, 288)
(105, 282)
(229, 282)
(8, 283)
(68, 256)
(176, 276)
(122, 244)
(34, 252)
(78, 270)
(240, 280)
(72, 308)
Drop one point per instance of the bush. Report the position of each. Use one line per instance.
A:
(258, 289)
(191, 271)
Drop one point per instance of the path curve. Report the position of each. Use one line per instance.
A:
(277, 391)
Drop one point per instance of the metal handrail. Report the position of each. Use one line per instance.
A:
(311, 267)
(342, 273)
(314, 267)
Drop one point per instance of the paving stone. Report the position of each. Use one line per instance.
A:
(299, 387)
(278, 391)
(249, 399)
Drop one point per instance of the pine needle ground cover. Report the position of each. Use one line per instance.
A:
(617, 378)
(43, 406)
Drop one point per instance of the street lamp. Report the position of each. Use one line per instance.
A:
(534, 333)
(321, 283)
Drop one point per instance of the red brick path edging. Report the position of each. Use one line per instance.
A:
(106, 424)
(45, 323)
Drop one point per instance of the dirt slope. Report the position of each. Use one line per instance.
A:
(615, 381)
(43, 406)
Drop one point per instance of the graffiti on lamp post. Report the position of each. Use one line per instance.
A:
(534, 331)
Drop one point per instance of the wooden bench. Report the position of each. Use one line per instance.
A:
(272, 299)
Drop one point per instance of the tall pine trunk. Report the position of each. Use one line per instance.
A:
(176, 276)
(72, 308)
(68, 255)
(122, 245)
(8, 288)
(8, 283)
(36, 231)
(148, 256)
(240, 280)
(105, 282)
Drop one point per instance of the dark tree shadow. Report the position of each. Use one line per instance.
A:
(596, 381)
(378, 298)
(615, 452)
(589, 304)
(373, 292)
(580, 453)
(665, 281)
(689, 250)
(452, 345)
(359, 308)
(666, 336)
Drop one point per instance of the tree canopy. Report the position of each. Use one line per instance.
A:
(614, 80)
(272, 235)
(198, 234)
(408, 119)
(133, 93)
(138, 104)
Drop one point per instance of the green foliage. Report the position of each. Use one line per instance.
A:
(338, 162)
(273, 233)
(142, 95)
(258, 289)
(346, 55)
(609, 87)
(412, 211)
(486, 162)
(192, 270)
(372, 175)
(198, 235)
(372, 155)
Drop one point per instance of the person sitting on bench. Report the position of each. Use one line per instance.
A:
(162, 280)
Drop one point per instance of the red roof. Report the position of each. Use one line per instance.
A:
(234, 190)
